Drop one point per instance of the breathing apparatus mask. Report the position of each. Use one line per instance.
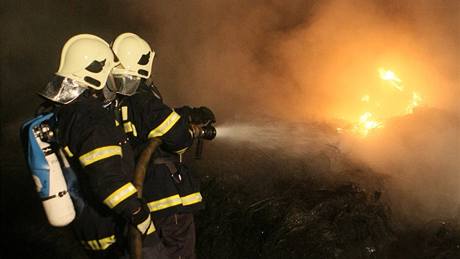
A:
(123, 84)
(63, 90)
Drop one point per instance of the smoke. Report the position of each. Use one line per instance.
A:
(306, 61)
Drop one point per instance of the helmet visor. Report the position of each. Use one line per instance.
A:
(62, 90)
(124, 84)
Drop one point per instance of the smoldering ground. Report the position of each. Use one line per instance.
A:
(280, 76)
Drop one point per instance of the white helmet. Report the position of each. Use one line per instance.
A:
(87, 59)
(136, 57)
(134, 54)
(86, 62)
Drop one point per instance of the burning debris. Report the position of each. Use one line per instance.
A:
(319, 205)
(372, 120)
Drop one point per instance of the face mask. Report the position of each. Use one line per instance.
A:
(124, 84)
(108, 94)
(63, 90)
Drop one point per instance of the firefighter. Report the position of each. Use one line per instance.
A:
(171, 191)
(97, 150)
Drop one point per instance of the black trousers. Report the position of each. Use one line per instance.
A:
(177, 233)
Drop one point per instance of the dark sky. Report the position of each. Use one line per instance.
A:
(34, 33)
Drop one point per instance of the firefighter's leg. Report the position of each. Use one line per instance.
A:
(177, 232)
(152, 248)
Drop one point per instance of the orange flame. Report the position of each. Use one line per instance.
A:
(366, 124)
(367, 121)
(416, 100)
(391, 77)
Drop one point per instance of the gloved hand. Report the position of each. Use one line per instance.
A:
(202, 115)
(142, 221)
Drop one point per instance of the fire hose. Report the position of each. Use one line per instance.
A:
(200, 132)
(135, 236)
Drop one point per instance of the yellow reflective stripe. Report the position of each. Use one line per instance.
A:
(116, 123)
(99, 154)
(100, 244)
(120, 195)
(191, 199)
(129, 127)
(134, 131)
(93, 244)
(67, 151)
(165, 203)
(124, 113)
(165, 126)
(181, 151)
(151, 229)
(106, 242)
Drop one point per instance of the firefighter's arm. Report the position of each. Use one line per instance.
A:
(110, 184)
(100, 156)
(168, 125)
(197, 115)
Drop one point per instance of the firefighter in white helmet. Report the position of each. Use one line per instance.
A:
(95, 148)
(170, 190)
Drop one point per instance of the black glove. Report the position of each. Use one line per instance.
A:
(202, 115)
(142, 221)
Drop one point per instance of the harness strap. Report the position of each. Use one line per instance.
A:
(163, 161)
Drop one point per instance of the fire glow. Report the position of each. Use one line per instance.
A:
(368, 120)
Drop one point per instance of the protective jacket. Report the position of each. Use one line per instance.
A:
(169, 186)
(103, 161)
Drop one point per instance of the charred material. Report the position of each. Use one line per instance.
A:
(298, 220)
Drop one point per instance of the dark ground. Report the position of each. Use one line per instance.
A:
(256, 208)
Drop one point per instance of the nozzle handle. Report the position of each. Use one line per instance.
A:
(199, 149)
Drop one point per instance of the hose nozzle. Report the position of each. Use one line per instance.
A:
(207, 132)
(201, 132)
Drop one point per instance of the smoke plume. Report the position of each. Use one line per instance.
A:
(306, 61)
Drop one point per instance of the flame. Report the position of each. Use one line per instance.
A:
(365, 98)
(390, 76)
(416, 100)
(366, 124)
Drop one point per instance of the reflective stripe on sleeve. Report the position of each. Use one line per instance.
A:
(191, 199)
(165, 203)
(101, 244)
(99, 154)
(120, 195)
(165, 126)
